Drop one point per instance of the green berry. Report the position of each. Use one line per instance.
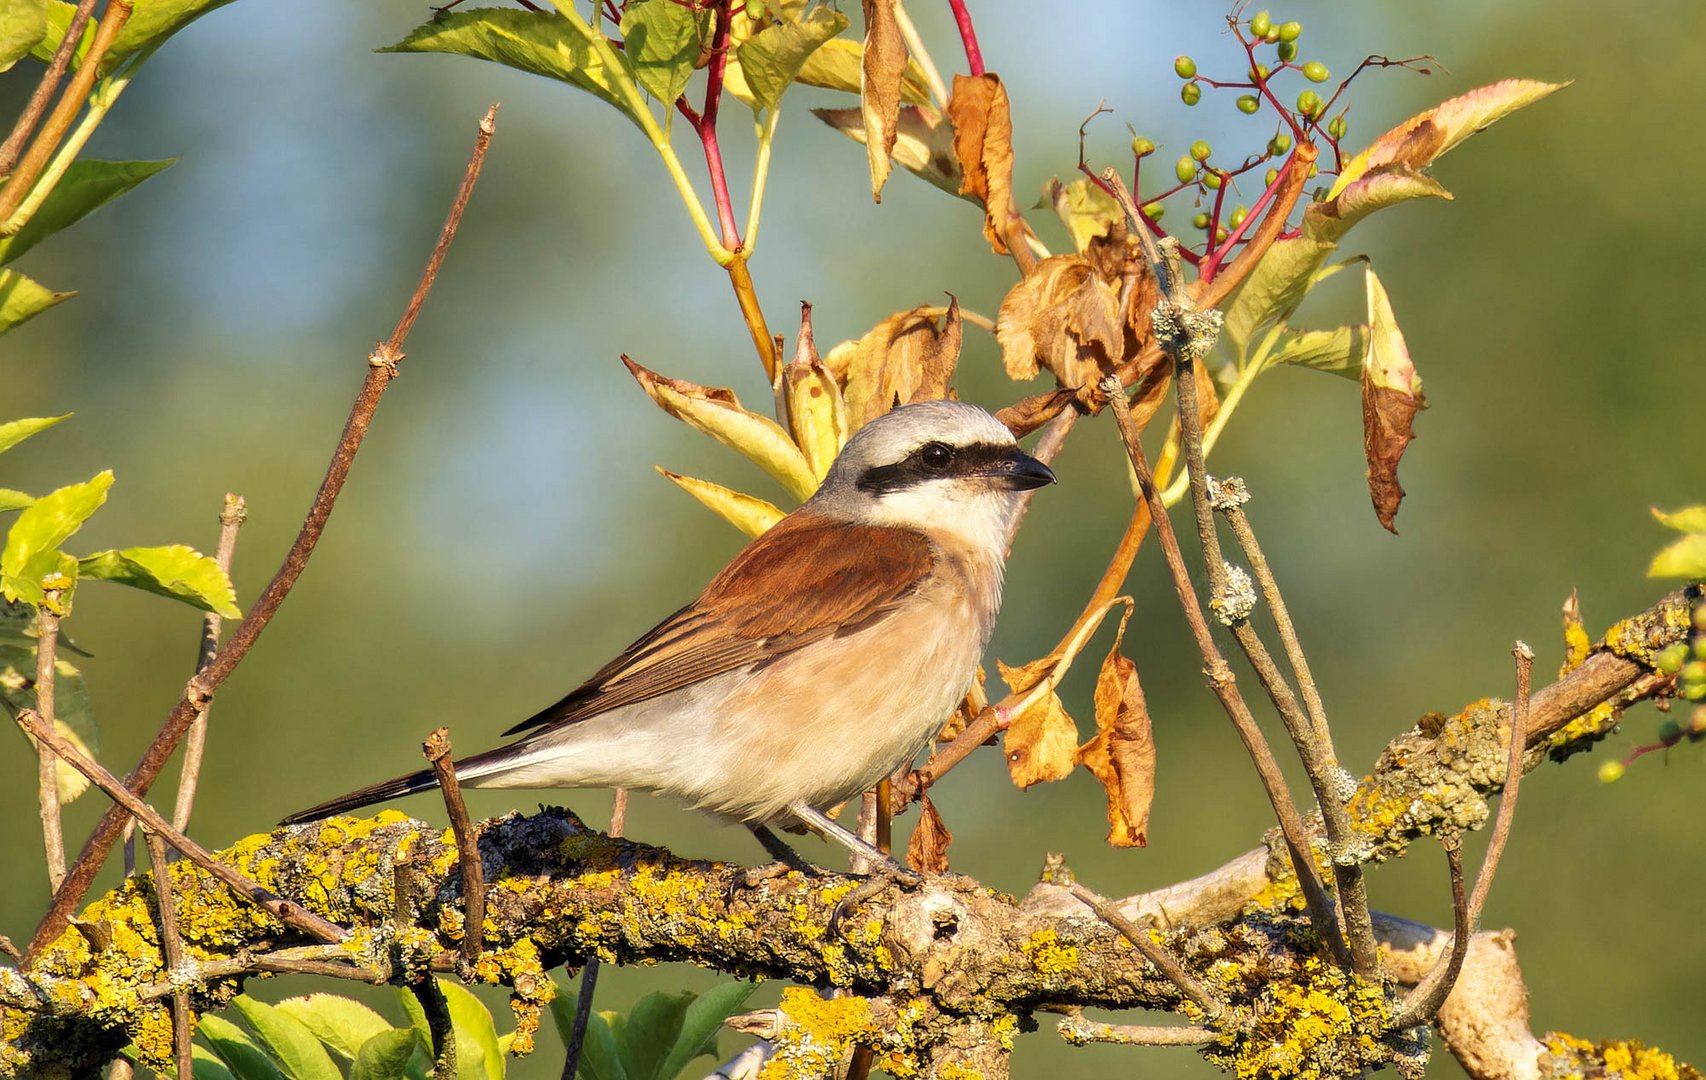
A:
(1201, 220)
(1337, 127)
(1610, 772)
(1269, 177)
(1670, 659)
(1141, 146)
(1259, 73)
(1153, 211)
(1316, 71)
(1239, 213)
(1184, 67)
(1261, 24)
(1287, 51)
(1290, 31)
(1201, 150)
(1670, 732)
(1693, 673)
(1318, 194)
(1211, 180)
(1190, 93)
(1697, 723)
(1220, 235)
(1694, 692)
(1248, 103)
(1279, 144)
(1309, 103)
(1700, 647)
(1700, 618)
(1185, 169)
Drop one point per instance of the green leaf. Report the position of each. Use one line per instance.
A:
(175, 570)
(151, 22)
(385, 1056)
(477, 1053)
(14, 500)
(205, 1064)
(1273, 289)
(32, 544)
(297, 1052)
(1086, 210)
(22, 24)
(343, 1024)
(241, 1054)
(1685, 559)
(1339, 350)
(538, 42)
(58, 21)
(699, 1027)
(654, 1024)
(661, 41)
(839, 65)
(601, 1058)
(16, 431)
(1387, 186)
(85, 187)
(22, 298)
(1690, 519)
(772, 58)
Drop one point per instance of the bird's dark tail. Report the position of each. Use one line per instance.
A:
(367, 796)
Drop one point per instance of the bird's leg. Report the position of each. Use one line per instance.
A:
(885, 871)
(786, 859)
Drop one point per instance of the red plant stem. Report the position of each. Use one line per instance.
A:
(381, 369)
(1211, 266)
(706, 125)
(1154, 226)
(968, 37)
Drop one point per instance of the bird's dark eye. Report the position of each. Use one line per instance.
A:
(936, 455)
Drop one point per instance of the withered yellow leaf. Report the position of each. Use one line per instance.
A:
(1391, 397)
(1122, 755)
(983, 142)
(817, 411)
(882, 69)
(1041, 742)
(1064, 317)
(751, 515)
(906, 356)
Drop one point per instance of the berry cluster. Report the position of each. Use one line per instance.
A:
(1686, 660)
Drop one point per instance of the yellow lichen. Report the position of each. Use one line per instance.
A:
(1326, 1023)
(820, 1032)
(1049, 955)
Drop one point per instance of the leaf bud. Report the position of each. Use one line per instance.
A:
(1316, 71)
(1184, 67)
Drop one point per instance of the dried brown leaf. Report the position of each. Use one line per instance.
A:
(924, 144)
(1065, 318)
(882, 69)
(907, 356)
(927, 851)
(1122, 755)
(1391, 397)
(983, 141)
(1041, 743)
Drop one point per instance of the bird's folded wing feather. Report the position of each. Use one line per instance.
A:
(805, 579)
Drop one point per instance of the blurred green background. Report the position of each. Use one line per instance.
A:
(504, 532)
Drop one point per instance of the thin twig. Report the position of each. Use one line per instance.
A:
(231, 519)
(1220, 680)
(183, 1025)
(1200, 995)
(59, 120)
(10, 949)
(1077, 1030)
(287, 911)
(27, 120)
(382, 368)
(589, 973)
(437, 1010)
(47, 771)
(313, 960)
(1424, 1001)
(437, 750)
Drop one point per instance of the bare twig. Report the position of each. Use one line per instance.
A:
(231, 519)
(1077, 1030)
(589, 973)
(381, 369)
(287, 911)
(27, 120)
(1425, 999)
(1200, 995)
(309, 960)
(437, 1010)
(47, 771)
(437, 750)
(10, 949)
(1220, 680)
(59, 120)
(183, 1026)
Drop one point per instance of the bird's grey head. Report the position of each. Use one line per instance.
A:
(941, 466)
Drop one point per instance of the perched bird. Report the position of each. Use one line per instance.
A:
(829, 652)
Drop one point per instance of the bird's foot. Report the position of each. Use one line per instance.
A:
(885, 874)
(787, 861)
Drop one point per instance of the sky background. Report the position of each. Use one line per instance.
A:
(504, 532)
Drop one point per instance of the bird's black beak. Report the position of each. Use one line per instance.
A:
(1019, 471)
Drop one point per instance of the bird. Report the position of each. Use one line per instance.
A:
(827, 653)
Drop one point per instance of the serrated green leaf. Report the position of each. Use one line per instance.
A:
(85, 188)
(22, 25)
(33, 541)
(1686, 558)
(22, 298)
(538, 42)
(1690, 519)
(1388, 186)
(241, 1054)
(14, 500)
(1273, 289)
(699, 1027)
(1339, 350)
(16, 431)
(343, 1024)
(661, 40)
(298, 1053)
(385, 1055)
(175, 570)
(654, 1024)
(772, 58)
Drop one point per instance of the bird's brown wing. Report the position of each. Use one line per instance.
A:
(806, 578)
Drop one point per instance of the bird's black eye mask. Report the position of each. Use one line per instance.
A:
(936, 461)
